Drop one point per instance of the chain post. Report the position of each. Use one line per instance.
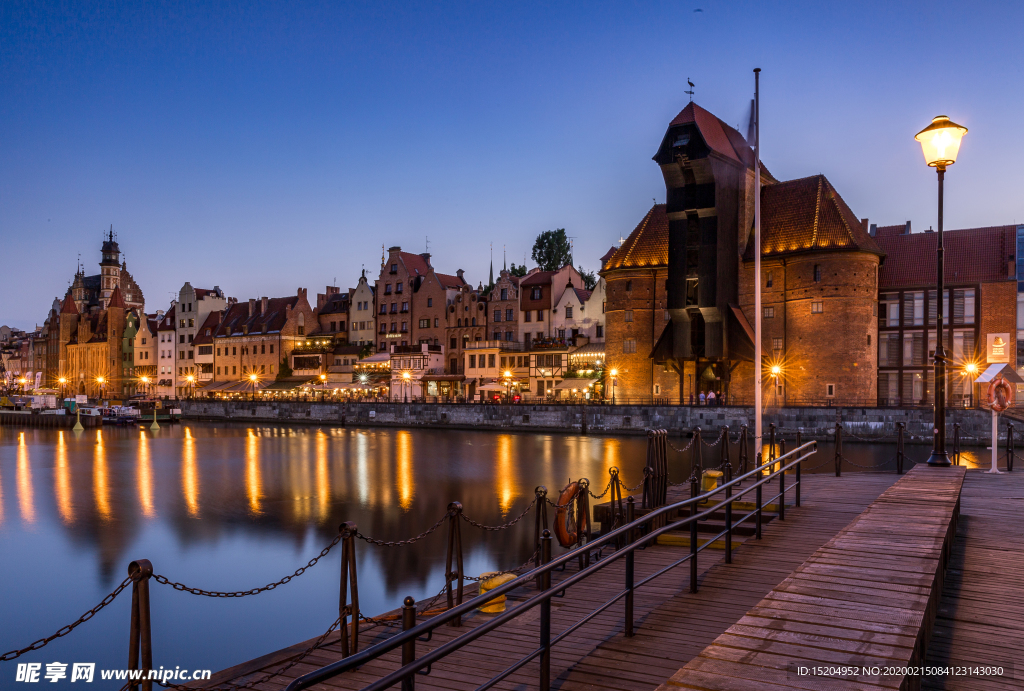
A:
(630, 537)
(956, 443)
(454, 553)
(899, 448)
(839, 448)
(545, 615)
(728, 511)
(744, 455)
(771, 446)
(799, 443)
(140, 639)
(724, 457)
(615, 506)
(694, 509)
(1009, 447)
(697, 455)
(583, 519)
(540, 522)
(757, 496)
(349, 588)
(409, 647)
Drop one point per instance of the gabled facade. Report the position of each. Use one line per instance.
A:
(332, 308)
(194, 306)
(166, 335)
(503, 305)
(362, 313)
(537, 297)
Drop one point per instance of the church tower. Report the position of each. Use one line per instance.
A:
(115, 332)
(110, 269)
(69, 316)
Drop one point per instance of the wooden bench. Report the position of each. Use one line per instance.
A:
(868, 597)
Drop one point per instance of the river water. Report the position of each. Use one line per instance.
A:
(233, 507)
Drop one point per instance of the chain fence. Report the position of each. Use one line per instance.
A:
(503, 526)
(402, 543)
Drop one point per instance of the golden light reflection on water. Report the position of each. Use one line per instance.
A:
(100, 486)
(190, 474)
(299, 478)
(145, 477)
(323, 478)
(62, 486)
(363, 467)
(26, 501)
(612, 453)
(405, 482)
(505, 478)
(253, 481)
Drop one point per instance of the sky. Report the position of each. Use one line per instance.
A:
(266, 146)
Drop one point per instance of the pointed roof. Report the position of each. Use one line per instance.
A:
(646, 246)
(115, 299)
(719, 137)
(68, 306)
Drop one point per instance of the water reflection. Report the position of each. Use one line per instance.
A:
(62, 483)
(189, 475)
(145, 477)
(505, 478)
(253, 484)
(26, 500)
(405, 483)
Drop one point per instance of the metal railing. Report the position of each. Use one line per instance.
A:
(633, 535)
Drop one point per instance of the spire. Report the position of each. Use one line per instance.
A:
(115, 299)
(504, 262)
(490, 278)
(68, 306)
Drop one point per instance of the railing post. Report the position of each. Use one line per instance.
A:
(615, 507)
(724, 458)
(757, 496)
(956, 443)
(782, 482)
(899, 448)
(454, 553)
(545, 615)
(771, 446)
(694, 509)
(839, 448)
(540, 522)
(140, 640)
(630, 537)
(349, 585)
(409, 647)
(744, 456)
(583, 519)
(728, 511)
(799, 443)
(1009, 447)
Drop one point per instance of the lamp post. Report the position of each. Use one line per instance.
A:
(102, 381)
(62, 381)
(776, 370)
(323, 387)
(508, 386)
(971, 372)
(191, 385)
(614, 373)
(252, 381)
(405, 389)
(940, 143)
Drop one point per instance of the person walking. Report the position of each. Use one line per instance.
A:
(711, 397)
(702, 398)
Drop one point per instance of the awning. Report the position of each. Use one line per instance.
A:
(492, 386)
(211, 386)
(443, 377)
(377, 358)
(289, 384)
(580, 383)
(996, 370)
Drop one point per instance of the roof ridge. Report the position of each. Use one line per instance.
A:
(817, 215)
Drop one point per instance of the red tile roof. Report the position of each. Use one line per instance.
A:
(972, 255)
(115, 299)
(808, 215)
(449, 281)
(212, 320)
(646, 246)
(68, 306)
(537, 278)
(715, 133)
(167, 323)
(415, 264)
(237, 316)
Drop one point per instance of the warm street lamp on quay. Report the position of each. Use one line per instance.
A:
(62, 381)
(405, 378)
(940, 143)
(102, 381)
(191, 380)
(253, 379)
(614, 373)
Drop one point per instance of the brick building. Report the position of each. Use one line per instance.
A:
(538, 291)
(503, 304)
(980, 311)
(412, 299)
(332, 308)
(466, 320)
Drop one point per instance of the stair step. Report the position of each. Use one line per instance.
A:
(681, 540)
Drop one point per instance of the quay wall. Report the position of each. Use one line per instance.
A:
(32, 419)
(859, 424)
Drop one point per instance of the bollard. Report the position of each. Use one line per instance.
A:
(409, 647)
(956, 443)
(140, 639)
(349, 588)
(545, 615)
(615, 506)
(454, 553)
(630, 536)
(694, 490)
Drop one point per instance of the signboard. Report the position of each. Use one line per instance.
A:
(998, 348)
(81, 399)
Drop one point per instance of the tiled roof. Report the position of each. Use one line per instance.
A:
(68, 306)
(336, 304)
(537, 278)
(646, 246)
(608, 255)
(582, 295)
(237, 316)
(808, 215)
(167, 323)
(414, 263)
(212, 320)
(448, 281)
(115, 299)
(972, 255)
(717, 135)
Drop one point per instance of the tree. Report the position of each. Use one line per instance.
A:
(589, 279)
(514, 270)
(367, 350)
(551, 250)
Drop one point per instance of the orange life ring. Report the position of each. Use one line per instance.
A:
(566, 529)
(1000, 394)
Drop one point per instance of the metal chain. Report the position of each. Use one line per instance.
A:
(65, 630)
(872, 465)
(255, 591)
(503, 526)
(601, 495)
(401, 543)
(677, 449)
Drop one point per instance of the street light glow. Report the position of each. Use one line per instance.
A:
(971, 368)
(99, 379)
(940, 141)
(615, 373)
(776, 370)
(252, 378)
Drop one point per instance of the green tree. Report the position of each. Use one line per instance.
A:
(589, 278)
(366, 351)
(551, 250)
(517, 270)
(284, 370)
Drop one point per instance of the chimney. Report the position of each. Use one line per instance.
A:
(426, 257)
(252, 306)
(906, 231)
(873, 230)
(263, 305)
(459, 273)
(217, 291)
(301, 293)
(321, 300)
(864, 224)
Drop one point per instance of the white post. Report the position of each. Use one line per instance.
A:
(757, 263)
(995, 443)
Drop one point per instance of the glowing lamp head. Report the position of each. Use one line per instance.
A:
(776, 370)
(190, 379)
(971, 368)
(22, 381)
(62, 381)
(253, 377)
(615, 372)
(405, 375)
(323, 377)
(940, 141)
(98, 379)
(508, 375)
(144, 380)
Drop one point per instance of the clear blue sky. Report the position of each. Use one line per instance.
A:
(266, 148)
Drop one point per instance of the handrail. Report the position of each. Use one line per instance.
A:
(796, 456)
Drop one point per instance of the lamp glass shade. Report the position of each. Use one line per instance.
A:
(940, 141)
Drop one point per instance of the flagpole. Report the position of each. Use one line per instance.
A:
(757, 262)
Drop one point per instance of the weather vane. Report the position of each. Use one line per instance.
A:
(691, 89)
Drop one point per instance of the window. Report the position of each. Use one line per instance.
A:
(768, 280)
(181, 323)
(776, 344)
(629, 315)
(190, 338)
(504, 293)
(890, 314)
(830, 390)
(334, 326)
(817, 273)
(405, 327)
(509, 315)
(181, 354)
(497, 315)
(435, 322)
(430, 302)
(424, 323)
(383, 308)
(472, 362)
(191, 322)
(599, 331)
(405, 306)
(526, 315)
(181, 338)
(144, 340)
(913, 349)
(629, 286)
(394, 268)
(205, 350)
(458, 322)
(398, 288)
(218, 370)
(490, 359)
(769, 312)
(453, 343)
(817, 307)
(629, 345)
(568, 312)
(473, 321)
(234, 369)
(540, 315)
(387, 289)
(963, 306)
(271, 348)
(263, 369)
(394, 308)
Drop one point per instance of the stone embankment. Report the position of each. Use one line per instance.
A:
(859, 424)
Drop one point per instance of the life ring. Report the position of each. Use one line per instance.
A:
(566, 529)
(1000, 394)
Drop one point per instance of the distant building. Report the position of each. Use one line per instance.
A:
(411, 300)
(194, 306)
(466, 322)
(166, 330)
(409, 367)
(332, 308)
(536, 299)
(362, 320)
(503, 305)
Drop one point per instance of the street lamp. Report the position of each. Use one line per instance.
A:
(405, 378)
(102, 381)
(191, 384)
(323, 386)
(940, 143)
(614, 374)
(62, 381)
(252, 380)
(145, 381)
(508, 386)
(971, 372)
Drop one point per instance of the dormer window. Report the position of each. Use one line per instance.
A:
(682, 139)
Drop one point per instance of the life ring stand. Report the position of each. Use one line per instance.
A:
(1000, 394)
(566, 529)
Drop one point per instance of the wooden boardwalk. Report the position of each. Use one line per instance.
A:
(869, 596)
(981, 613)
(673, 626)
